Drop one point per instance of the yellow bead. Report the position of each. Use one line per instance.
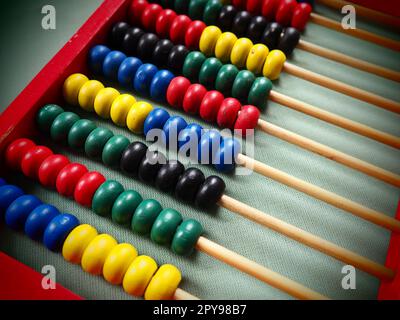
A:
(104, 100)
(96, 253)
(88, 93)
(240, 51)
(164, 283)
(274, 64)
(224, 46)
(256, 58)
(208, 40)
(71, 87)
(120, 109)
(138, 275)
(137, 115)
(118, 261)
(77, 241)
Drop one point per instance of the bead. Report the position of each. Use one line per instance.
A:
(285, 12)
(71, 87)
(132, 157)
(61, 126)
(257, 27)
(242, 85)
(209, 71)
(210, 105)
(159, 85)
(193, 34)
(16, 151)
(164, 283)
(226, 17)
(50, 168)
(161, 52)
(225, 158)
(155, 120)
(136, 10)
(193, 97)
(138, 275)
(150, 15)
(241, 23)
(210, 192)
(88, 93)
(208, 40)
(58, 229)
(19, 210)
(79, 132)
(164, 226)
(192, 65)
(77, 241)
(178, 29)
(131, 40)
(208, 146)
(98, 54)
(111, 64)
(188, 140)
(105, 196)
(240, 4)
(289, 40)
(68, 178)
(211, 12)
(196, 9)
(96, 141)
(176, 91)
(188, 184)
(113, 149)
(259, 92)
(103, 101)
(228, 112)
(38, 220)
(186, 237)
(254, 6)
(137, 115)
(2, 182)
(247, 120)
(120, 108)
(256, 58)
(300, 16)
(172, 128)
(87, 186)
(118, 262)
(126, 73)
(150, 165)
(269, 8)
(181, 6)
(240, 51)
(177, 58)
(225, 78)
(146, 45)
(224, 46)
(164, 21)
(46, 116)
(274, 64)
(167, 176)
(96, 252)
(117, 35)
(125, 206)
(33, 159)
(145, 215)
(143, 78)
(8, 193)
(271, 35)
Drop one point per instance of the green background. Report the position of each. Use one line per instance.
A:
(25, 50)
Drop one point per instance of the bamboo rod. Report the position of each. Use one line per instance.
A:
(181, 294)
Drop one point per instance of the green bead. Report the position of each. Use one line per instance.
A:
(105, 196)
(181, 6)
(145, 215)
(61, 126)
(259, 92)
(196, 9)
(125, 206)
(165, 226)
(209, 71)
(192, 65)
(225, 78)
(79, 133)
(186, 237)
(113, 150)
(211, 12)
(46, 116)
(242, 84)
(96, 141)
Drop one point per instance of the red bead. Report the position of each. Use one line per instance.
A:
(150, 15)
(240, 4)
(247, 119)
(193, 98)
(254, 6)
(68, 177)
(50, 168)
(228, 112)
(33, 159)
(193, 34)
(178, 29)
(176, 91)
(136, 10)
(16, 150)
(300, 17)
(87, 186)
(285, 12)
(164, 21)
(210, 105)
(269, 8)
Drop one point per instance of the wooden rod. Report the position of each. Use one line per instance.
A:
(181, 294)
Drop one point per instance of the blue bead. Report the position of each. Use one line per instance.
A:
(2, 182)
(96, 58)
(127, 71)
(226, 156)
(20, 209)
(58, 229)
(172, 128)
(209, 144)
(143, 78)
(159, 85)
(112, 63)
(8, 194)
(155, 120)
(39, 219)
(191, 133)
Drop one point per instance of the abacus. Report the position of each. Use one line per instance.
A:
(83, 130)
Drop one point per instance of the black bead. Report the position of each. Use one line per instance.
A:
(177, 57)
(150, 166)
(271, 35)
(188, 184)
(131, 40)
(161, 52)
(241, 23)
(289, 40)
(168, 175)
(132, 157)
(226, 16)
(210, 192)
(117, 34)
(146, 46)
(256, 28)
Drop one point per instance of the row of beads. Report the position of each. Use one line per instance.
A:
(179, 92)
(132, 158)
(81, 244)
(209, 72)
(105, 197)
(211, 41)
